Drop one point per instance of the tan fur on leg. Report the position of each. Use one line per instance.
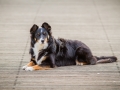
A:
(37, 67)
(80, 63)
(31, 63)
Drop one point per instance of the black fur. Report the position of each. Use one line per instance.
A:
(62, 52)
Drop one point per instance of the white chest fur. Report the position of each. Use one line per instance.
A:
(38, 47)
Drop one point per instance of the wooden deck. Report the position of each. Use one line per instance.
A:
(94, 22)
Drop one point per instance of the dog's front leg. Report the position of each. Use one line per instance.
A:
(38, 67)
(31, 63)
(52, 60)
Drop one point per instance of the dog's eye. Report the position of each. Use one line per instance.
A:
(38, 34)
(44, 33)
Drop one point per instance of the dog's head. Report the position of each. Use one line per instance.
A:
(41, 34)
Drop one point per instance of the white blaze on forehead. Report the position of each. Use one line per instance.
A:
(41, 38)
(41, 30)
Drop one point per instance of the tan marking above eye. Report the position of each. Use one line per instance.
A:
(35, 39)
(44, 33)
(38, 34)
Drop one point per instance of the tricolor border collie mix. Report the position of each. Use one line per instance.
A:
(48, 52)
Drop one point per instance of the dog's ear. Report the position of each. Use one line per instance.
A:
(47, 27)
(33, 28)
(62, 40)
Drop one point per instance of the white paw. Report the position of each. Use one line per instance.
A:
(29, 69)
(24, 67)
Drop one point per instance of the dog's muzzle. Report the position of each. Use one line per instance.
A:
(42, 41)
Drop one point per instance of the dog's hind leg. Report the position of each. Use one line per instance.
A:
(78, 63)
(106, 59)
(85, 56)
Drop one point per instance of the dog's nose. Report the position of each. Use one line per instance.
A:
(42, 41)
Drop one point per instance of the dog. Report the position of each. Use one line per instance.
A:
(47, 52)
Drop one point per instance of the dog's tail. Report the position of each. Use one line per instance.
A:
(106, 59)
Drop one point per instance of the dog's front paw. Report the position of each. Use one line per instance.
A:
(29, 69)
(24, 67)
